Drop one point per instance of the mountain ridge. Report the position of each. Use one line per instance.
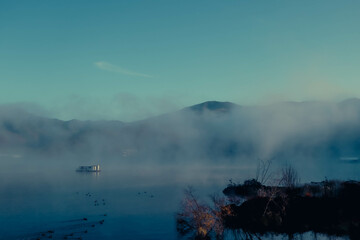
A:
(211, 130)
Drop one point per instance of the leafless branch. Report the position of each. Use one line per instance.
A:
(262, 170)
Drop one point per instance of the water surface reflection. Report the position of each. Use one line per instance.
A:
(135, 202)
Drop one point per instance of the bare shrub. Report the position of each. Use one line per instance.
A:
(262, 171)
(289, 177)
(220, 210)
(197, 215)
(200, 217)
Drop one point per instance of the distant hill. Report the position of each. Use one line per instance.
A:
(210, 130)
(214, 106)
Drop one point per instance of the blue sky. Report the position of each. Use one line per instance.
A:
(131, 59)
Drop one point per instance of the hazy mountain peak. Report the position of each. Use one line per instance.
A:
(350, 101)
(213, 106)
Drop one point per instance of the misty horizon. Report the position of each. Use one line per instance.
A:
(41, 111)
(211, 130)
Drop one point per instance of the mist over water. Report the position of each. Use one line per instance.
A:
(140, 201)
(210, 133)
(146, 165)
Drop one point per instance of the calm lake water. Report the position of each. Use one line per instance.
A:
(132, 202)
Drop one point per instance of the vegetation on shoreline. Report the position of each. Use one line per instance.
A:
(286, 207)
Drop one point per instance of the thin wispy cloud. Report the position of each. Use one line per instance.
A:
(113, 68)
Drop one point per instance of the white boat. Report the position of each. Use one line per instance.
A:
(92, 168)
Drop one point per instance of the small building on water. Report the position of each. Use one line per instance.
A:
(92, 168)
